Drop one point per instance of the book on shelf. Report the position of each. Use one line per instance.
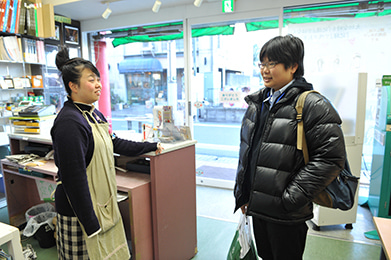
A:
(2, 9)
(13, 22)
(3, 53)
(41, 52)
(33, 50)
(36, 19)
(5, 18)
(1, 13)
(29, 50)
(11, 45)
(17, 16)
(20, 47)
(49, 28)
(39, 19)
(30, 18)
(22, 17)
(10, 14)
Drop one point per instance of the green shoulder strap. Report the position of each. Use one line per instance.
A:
(301, 142)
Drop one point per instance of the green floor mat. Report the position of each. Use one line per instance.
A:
(363, 201)
(372, 235)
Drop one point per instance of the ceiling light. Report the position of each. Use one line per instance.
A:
(156, 6)
(107, 12)
(198, 3)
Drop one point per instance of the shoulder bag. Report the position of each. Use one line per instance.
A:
(342, 190)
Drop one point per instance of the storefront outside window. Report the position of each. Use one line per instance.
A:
(224, 57)
(143, 76)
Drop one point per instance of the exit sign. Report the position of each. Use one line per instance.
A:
(228, 6)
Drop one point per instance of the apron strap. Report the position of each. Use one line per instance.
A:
(52, 194)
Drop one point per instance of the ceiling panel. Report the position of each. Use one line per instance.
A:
(92, 9)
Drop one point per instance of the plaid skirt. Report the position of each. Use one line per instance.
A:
(70, 240)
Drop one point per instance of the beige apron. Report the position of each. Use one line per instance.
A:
(111, 242)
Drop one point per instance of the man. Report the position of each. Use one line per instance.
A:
(273, 184)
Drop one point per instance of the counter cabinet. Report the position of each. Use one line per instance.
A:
(159, 215)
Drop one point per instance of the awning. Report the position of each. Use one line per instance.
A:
(292, 15)
(139, 65)
(164, 32)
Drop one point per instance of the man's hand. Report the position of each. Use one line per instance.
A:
(244, 208)
(159, 148)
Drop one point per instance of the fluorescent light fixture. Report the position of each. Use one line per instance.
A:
(107, 12)
(198, 3)
(156, 6)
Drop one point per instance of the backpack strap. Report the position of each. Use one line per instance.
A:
(301, 143)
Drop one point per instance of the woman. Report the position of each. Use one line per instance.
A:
(89, 222)
(273, 184)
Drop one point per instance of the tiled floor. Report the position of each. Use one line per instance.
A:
(219, 204)
(331, 242)
(216, 225)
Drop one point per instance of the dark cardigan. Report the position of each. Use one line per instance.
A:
(73, 146)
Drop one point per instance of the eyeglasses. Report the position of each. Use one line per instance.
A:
(268, 65)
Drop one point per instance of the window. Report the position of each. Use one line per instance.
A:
(341, 40)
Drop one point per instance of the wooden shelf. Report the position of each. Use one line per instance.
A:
(137, 179)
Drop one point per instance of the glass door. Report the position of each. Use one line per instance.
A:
(225, 70)
(146, 71)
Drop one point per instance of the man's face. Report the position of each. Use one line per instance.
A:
(275, 75)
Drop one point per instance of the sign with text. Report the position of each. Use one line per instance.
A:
(230, 96)
(228, 6)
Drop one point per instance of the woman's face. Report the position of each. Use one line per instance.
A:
(278, 76)
(89, 89)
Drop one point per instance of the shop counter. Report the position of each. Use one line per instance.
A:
(160, 216)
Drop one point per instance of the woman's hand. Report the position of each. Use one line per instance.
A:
(159, 148)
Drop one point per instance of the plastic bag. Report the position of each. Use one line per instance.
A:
(22, 158)
(37, 209)
(34, 223)
(42, 228)
(242, 246)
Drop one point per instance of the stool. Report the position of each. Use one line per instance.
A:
(10, 235)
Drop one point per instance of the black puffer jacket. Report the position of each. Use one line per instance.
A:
(277, 184)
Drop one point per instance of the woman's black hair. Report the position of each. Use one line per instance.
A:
(288, 50)
(71, 69)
